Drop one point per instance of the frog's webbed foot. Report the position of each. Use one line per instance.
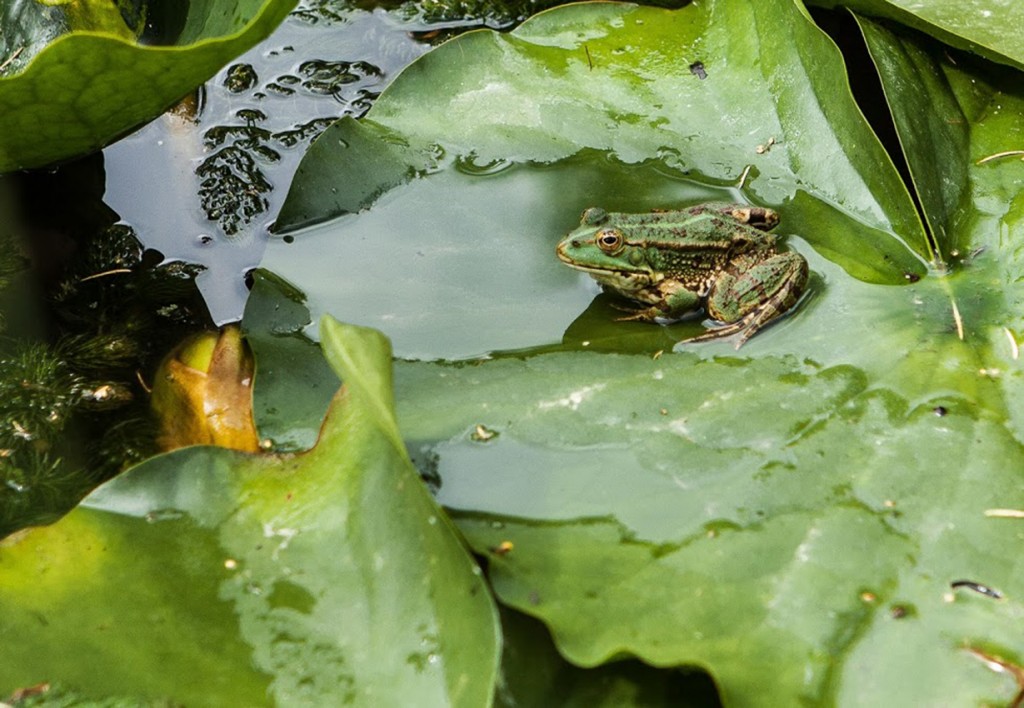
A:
(638, 313)
(643, 314)
(746, 327)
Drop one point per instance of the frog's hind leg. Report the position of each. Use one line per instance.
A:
(750, 298)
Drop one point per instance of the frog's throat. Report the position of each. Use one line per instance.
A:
(625, 282)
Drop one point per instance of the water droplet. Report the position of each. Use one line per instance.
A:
(472, 165)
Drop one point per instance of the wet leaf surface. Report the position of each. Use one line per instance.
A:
(330, 577)
(990, 29)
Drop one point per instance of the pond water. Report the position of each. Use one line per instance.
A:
(205, 187)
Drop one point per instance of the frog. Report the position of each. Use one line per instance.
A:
(715, 257)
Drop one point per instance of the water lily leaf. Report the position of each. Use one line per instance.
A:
(590, 104)
(968, 124)
(793, 529)
(626, 80)
(990, 29)
(382, 160)
(101, 82)
(325, 578)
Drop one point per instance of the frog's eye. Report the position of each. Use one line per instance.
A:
(594, 216)
(610, 241)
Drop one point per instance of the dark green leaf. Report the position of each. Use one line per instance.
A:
(935, 142)
(381, 160)
(991, 29)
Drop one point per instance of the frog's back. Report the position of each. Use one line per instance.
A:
(686, 246)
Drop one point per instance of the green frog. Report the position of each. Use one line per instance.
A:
(714, 256)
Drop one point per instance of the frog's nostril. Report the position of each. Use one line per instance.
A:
(575, 243)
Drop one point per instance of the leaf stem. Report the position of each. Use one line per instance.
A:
(996, 156)
(7, 62)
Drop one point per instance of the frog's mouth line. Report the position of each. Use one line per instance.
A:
(586, 269)
(595, 271)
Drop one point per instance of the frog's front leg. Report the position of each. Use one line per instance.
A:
(671, 300)
(752, 293)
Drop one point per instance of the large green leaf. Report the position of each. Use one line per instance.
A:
(790, 527)
(936, 142)
(792, 517)
(991, 29)
(210, 577)
(66, 94)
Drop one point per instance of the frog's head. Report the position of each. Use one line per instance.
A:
(599, 247)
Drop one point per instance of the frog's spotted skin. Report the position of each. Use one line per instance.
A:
(713, 256)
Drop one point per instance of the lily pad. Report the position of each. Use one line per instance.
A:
(103, 83)
(802, 550)
(326, 578)
(294, 383)
(990, 29)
